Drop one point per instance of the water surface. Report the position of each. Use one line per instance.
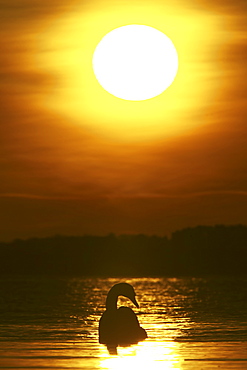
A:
(192, 323)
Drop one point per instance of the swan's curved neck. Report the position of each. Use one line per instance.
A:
(111, 300)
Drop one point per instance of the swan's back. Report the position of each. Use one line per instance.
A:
(120, 327)
(128, 327)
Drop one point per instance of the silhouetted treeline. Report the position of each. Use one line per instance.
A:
(193, 251)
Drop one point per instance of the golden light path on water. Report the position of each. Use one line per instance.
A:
(159, 351)
(146, 356)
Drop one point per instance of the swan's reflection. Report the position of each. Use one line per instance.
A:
(145, 356)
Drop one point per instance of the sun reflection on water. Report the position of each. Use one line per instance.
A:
(161, 314)
(145, 356)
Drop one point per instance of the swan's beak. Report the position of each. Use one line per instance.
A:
(135, 302)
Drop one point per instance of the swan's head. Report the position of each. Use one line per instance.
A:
(125, 290)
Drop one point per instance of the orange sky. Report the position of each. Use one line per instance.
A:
(76, 160)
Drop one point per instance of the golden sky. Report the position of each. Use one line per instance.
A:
(75, 159)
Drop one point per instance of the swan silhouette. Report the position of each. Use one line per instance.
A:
(120, 326)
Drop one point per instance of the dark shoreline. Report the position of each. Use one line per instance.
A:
(203, 250)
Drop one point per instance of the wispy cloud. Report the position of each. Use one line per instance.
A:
(129, 196)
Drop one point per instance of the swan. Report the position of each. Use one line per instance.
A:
(120, 326)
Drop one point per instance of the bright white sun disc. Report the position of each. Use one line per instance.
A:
(135, 62)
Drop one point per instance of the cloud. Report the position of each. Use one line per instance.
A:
(22, 10)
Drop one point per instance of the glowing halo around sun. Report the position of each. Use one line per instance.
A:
(135, 62)
(64, 53)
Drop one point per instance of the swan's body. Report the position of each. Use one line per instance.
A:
(120, 326)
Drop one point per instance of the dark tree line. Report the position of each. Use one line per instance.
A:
(192, 251)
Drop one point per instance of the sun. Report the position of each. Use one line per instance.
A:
(135, 62)
(163, 93)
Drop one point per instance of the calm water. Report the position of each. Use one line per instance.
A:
(192, 323)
